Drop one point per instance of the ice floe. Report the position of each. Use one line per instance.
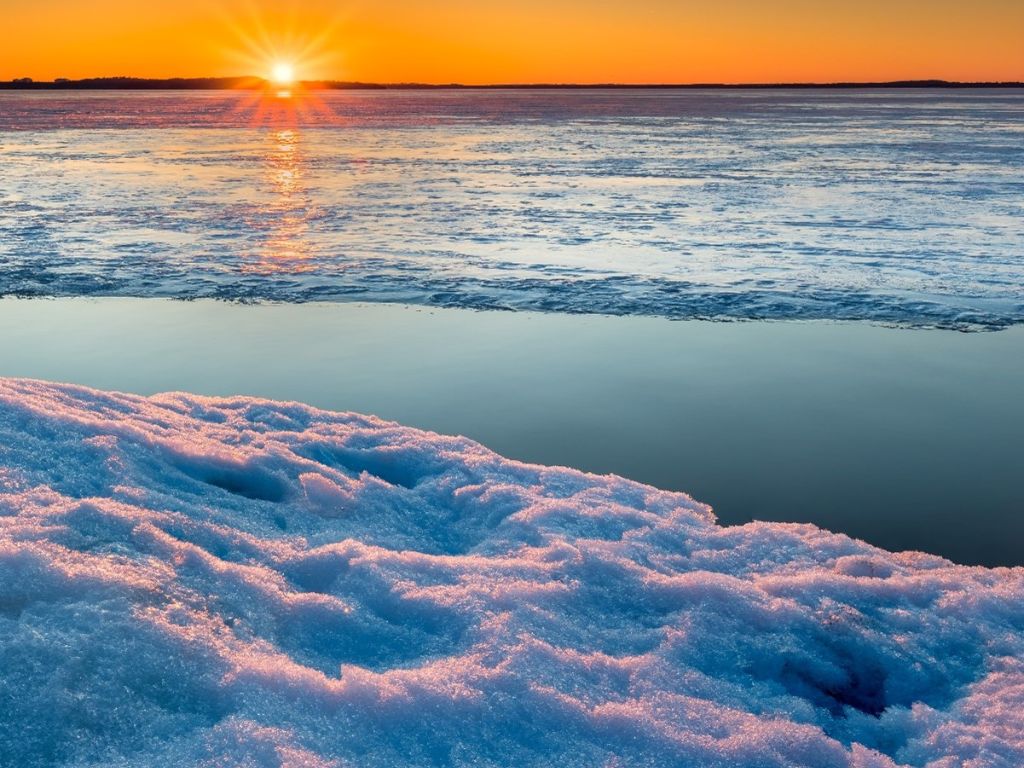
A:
(902, 207)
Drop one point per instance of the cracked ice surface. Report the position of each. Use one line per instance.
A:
(199, 581)
(902, 207)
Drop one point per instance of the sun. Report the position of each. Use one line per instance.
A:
(283, 73)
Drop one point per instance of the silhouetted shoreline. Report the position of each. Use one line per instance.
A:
(253, 83)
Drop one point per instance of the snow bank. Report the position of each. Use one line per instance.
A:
(195, 581)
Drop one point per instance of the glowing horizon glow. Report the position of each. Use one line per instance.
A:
(648, 41)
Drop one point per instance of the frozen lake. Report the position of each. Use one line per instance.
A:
(910, 439)
(902, 206)
(187, 580)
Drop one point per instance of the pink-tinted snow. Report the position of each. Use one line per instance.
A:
(197, 581)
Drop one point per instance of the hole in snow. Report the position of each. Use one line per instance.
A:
(861, 687)
(241, 479)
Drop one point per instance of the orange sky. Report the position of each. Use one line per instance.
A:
(518, 40)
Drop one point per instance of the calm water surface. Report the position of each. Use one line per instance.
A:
(907, 438)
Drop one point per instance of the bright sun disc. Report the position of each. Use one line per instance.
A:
(283, 74)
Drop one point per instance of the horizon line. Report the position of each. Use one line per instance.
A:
(127, 82)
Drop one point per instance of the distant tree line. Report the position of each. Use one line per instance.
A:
(255, 83)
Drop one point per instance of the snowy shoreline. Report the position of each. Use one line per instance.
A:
(186, 578)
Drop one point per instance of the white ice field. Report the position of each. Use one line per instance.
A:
(899, 206)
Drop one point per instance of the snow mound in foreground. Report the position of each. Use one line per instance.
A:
(195, 581)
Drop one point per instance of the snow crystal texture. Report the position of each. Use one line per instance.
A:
(902, 207)
(197, 581)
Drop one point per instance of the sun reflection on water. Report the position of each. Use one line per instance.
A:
(283, 224)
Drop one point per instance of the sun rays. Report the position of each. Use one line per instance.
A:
(286, 52)
(282, 49)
